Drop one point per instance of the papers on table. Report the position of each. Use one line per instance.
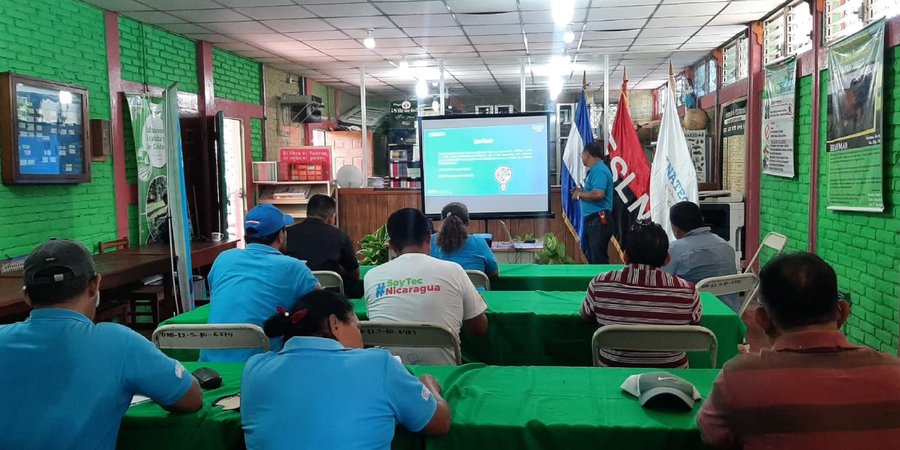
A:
(138, 399)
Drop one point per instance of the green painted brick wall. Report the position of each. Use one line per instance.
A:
(156, 57)
(236, 78)
(60, 41)
(784, 202)
(864, 248)
(256, 143)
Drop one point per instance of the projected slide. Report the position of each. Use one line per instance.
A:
(495, 165)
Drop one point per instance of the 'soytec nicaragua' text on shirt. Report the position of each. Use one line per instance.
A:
(415, 287)
(247, 286)
(65, 383)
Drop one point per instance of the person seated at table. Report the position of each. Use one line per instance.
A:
(247, 284)
(812, 389)
(323, 391)
(454, 243)
(415, 287)
(66, 382)
(642, 293)
(318, 241)
(698, 253)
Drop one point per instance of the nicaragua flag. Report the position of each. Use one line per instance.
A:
(630, 169)
(674, 177)
(573, 170)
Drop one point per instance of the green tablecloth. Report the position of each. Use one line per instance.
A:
(496, 407)
(535, 277)
(536, 328)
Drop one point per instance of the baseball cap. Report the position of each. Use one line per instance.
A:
(661, 390)
(264, 220)
(58, 260)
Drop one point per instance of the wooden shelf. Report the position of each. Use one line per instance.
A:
(284, 201)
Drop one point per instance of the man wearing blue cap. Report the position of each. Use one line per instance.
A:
(248, 285)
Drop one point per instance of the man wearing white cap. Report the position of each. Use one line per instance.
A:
(248, 285)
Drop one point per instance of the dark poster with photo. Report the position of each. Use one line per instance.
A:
(854, 134)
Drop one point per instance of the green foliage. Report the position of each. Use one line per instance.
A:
(524, 237)
(373, 247)
(554, 251)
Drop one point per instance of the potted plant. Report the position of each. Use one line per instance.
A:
(554, 251)
(373, 247)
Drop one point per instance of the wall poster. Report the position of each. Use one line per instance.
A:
(778, 118)
(734, 146)
(855, 103)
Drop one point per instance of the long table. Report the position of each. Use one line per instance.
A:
(537, 277)
(119, 268)
(537, 328)
(496, 407)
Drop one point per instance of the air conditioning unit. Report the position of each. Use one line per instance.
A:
(304, 108)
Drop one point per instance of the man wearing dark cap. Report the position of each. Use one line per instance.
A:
(66, 382)
(248, 285)
(812, 389)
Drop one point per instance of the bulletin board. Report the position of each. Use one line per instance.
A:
(43, 131)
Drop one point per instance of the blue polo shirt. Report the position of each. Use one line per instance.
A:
(317, 394)
(66, 382)
(598, 177)
(247, 286)
(473, 255)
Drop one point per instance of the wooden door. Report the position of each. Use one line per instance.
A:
(347, 149)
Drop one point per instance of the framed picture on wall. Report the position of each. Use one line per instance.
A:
(44, 132)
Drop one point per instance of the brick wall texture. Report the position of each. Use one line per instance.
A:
(156, 57)
(256, 142)
(59, 41)
(235, 77)
(864, 248)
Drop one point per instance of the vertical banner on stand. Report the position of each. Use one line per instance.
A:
(180, 225)
(855, 104)
(778, 119)
(148, 125)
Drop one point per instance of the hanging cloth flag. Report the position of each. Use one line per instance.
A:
(630, 169)
(673, 176)
(573, 170)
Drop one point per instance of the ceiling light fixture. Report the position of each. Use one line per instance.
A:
(569, 35)
(435, 105)
(369, 41)
(563, 11)
(404, 65)
(422, 88)
(556, 86)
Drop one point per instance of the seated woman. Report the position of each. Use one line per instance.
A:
(323, 391)
(454, 243)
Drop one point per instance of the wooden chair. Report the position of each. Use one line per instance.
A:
(409, 334)
(658, 338)
(141, 301)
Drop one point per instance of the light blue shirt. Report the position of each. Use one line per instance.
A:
(701, 254)
(473, 255)
(247, 286)
(598, 177)
(319, 395)
(66, 383)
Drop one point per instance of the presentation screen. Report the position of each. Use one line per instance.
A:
(498, 166)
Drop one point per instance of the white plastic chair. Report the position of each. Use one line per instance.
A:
(410, 334)
(330, 280)
(773, 240)
(658, 338)
(479, 279)
(210, 336)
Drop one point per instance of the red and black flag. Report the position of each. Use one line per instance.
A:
(630, 169)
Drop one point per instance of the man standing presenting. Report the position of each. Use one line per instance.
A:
(66, 382)
(322, 245)
(698, 253)
(812, 389)
(415, 287)
(248, 285)
(596, 203)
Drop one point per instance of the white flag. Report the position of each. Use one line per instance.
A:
(673, 177)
